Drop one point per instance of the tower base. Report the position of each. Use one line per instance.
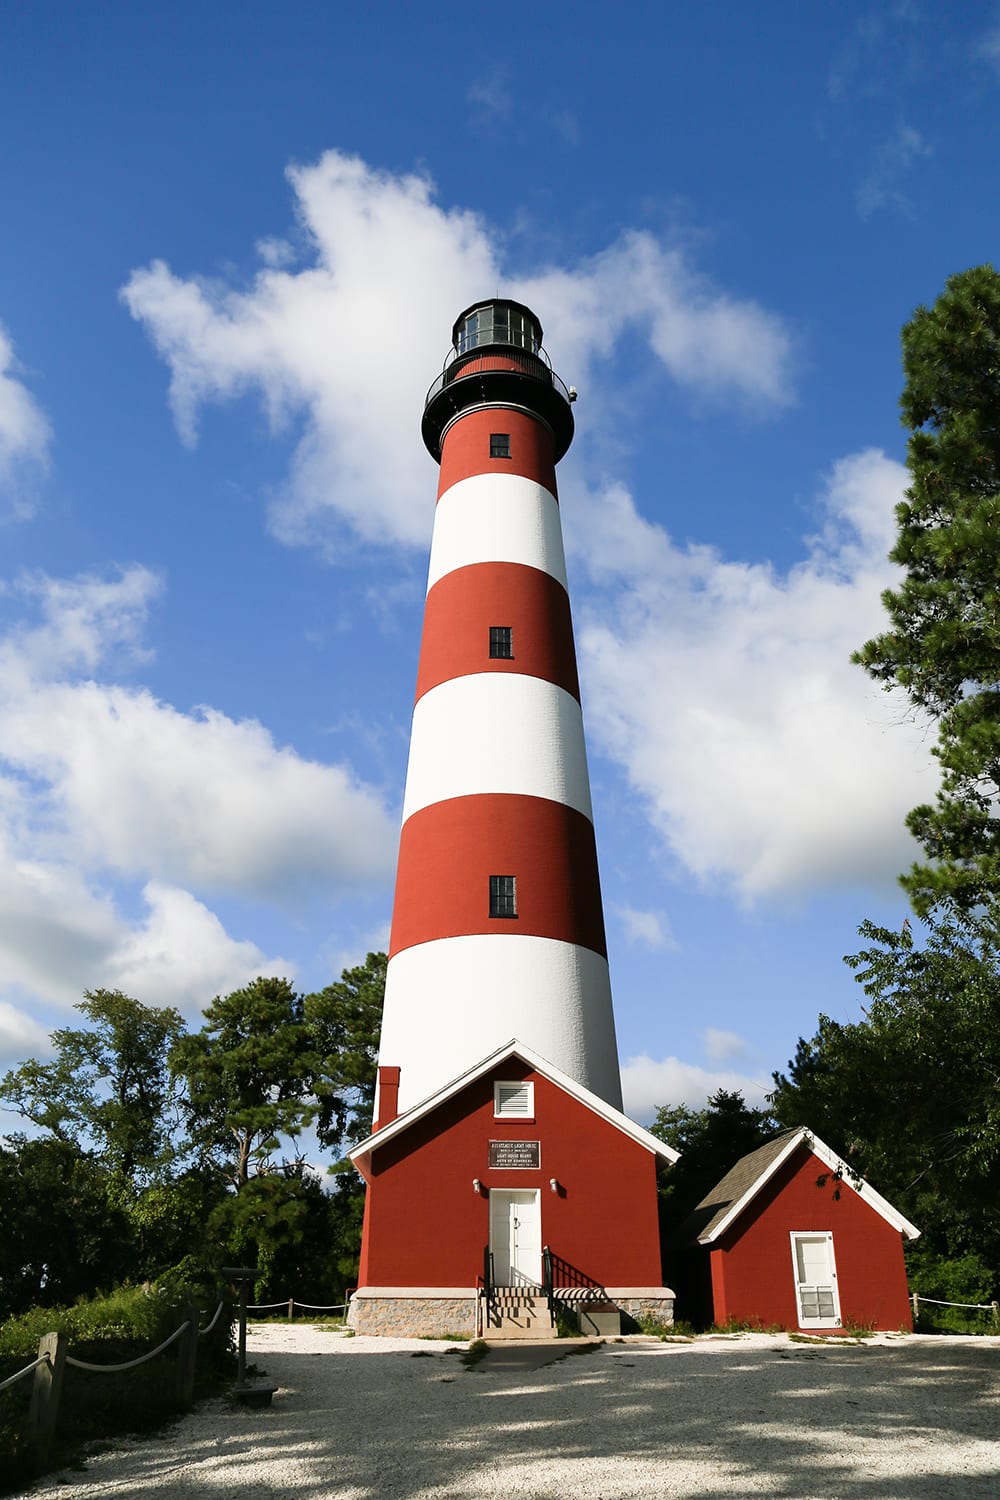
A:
(450, 1312)
(413, 1312)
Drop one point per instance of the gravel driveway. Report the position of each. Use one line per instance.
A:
(749, 1414)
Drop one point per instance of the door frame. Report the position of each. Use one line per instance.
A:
(506, 1194)
(795, 1235)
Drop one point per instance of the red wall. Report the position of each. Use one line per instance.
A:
(466, 448)
(448, 851)
(752, 1273)
(425, 1226)
(462, 606)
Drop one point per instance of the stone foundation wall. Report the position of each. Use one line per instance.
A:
(413, 1317)
(634, 1308)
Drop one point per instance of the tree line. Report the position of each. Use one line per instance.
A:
(155, 1147)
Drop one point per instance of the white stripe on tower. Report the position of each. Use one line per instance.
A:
(497, 784)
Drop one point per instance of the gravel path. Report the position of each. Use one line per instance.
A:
(750, 1414)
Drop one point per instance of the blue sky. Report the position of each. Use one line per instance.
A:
(236, 237)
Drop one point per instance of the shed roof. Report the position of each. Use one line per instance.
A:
(730, 1197)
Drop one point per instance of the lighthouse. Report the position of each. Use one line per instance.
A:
(501, 1169)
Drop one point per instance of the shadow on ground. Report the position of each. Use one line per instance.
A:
(912, 1420)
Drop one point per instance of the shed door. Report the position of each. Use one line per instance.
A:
(816, 1293)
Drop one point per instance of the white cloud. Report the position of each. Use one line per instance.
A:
(61, 934)
(726, 692)
(24, 438)
(720, 1046)
(713, 343)
(20, 1036)
(648, 1084)
(347, 343)
(125, 783)
(894, 156)
(100, 782)
(645, 929)
(490, 97)
(182, 955)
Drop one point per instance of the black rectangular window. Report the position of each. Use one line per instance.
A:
(503, 896)
(502, 642)
(499, 445)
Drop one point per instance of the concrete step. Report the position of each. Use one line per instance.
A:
(522, 1315)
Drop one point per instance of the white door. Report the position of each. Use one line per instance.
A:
(816, 1292)
(516, 1236)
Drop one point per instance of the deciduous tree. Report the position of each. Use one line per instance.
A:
(108, 1086)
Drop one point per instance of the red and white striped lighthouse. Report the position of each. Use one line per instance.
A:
(498, 928)
(500, 1160)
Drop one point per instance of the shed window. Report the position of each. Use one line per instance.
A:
(503, 896)
(502, 642)
(499, 445)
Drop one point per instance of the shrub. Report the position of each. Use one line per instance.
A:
(107, 1330)
(962, 1278)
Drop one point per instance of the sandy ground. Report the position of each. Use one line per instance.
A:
(750, 1414)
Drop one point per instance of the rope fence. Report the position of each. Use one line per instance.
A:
(132, 1364)
(291, 1303)
(990, 1307)
(53, 1357)
(42, 1359)
(202, 1331)
(979, 1306)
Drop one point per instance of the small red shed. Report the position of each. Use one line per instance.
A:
(510, 1159)
(795, 1239)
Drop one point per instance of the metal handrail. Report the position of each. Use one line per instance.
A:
(519, 362)
(488, 1284)
(548, 1284)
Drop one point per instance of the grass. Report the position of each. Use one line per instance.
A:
(476, 1351)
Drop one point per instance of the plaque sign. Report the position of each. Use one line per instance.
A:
(524, 1154)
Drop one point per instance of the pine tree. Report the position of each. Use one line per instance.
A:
(943, 647)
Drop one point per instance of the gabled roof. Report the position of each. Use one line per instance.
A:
(720, 1208)
(539, 1064)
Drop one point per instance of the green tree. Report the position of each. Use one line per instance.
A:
(710, 1140)
(108, 1086)
(346, 1022)
(62, 1234)
(286, 1224)
(909, 1093)
(943, 644)
(250, 1074)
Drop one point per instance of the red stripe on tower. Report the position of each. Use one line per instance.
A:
(498, 928)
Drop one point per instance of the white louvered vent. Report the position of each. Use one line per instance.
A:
(516, 1099)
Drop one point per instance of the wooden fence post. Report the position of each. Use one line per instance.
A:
(291, 1309)
(45, 1398)
(916, 1308)
(187, 1358)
